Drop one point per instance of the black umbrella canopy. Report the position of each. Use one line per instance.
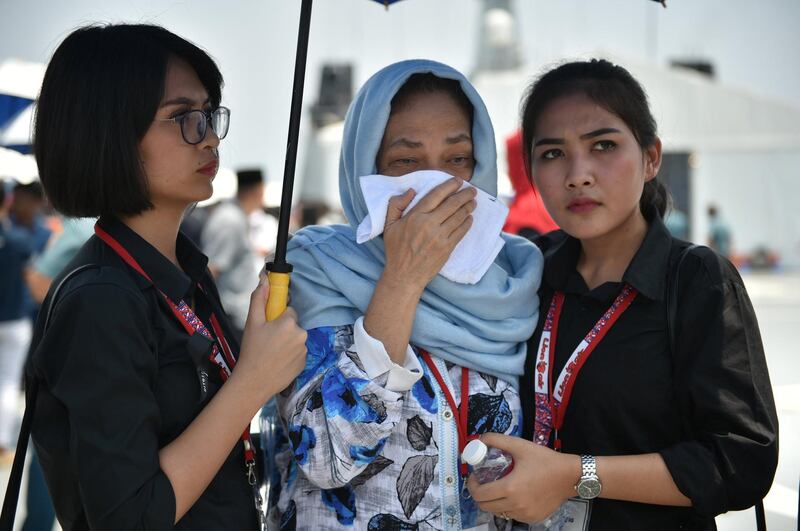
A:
(279, 269)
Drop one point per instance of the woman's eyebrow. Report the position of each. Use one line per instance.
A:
(548, 141)
(404, 142)
(591, 134)
(599, 132)
(463, 137)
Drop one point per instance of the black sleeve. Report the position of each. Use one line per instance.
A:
(729, 456)
(98, 359)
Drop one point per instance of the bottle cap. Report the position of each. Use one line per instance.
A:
(474, 452)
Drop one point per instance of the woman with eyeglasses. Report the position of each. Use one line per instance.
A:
(145, 398)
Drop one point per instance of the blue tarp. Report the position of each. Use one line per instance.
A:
(10, 108)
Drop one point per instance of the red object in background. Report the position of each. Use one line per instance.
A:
(526, 210)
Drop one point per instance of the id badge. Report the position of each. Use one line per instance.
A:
(578, 513)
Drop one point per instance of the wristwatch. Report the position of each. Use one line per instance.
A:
(589, 486)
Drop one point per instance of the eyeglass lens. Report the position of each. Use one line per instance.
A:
(195, 124)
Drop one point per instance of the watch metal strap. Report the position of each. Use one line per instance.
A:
(588, 466)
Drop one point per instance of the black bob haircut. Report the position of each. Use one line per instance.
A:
(99, 96)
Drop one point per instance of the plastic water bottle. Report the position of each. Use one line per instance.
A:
(555, 522)
(270, 430)
(488, 464)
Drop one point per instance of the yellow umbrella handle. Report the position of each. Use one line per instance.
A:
(278, 294)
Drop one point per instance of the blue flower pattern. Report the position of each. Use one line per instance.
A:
(423, 392)
(469, 509)
(488, 413)
(340, 396)
(303, 440)
(364, 455)
(321, 354)
(350, 440)
(343, 503)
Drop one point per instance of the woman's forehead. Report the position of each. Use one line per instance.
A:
(182, 83)
(428, 110)
(576, 112)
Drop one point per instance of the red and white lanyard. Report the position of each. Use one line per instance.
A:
(221, 357)
(552, 401)
(461, 412)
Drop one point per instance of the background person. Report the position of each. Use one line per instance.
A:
(15, 325)
(225, 240)
(719, 233)
(27, 207)
(59, 251)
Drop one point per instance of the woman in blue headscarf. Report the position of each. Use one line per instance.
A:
(376, 421)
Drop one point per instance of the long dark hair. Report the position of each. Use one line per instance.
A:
(611, 87)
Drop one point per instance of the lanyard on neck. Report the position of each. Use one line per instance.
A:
(551, 401)
(461, 412)
(221, 354)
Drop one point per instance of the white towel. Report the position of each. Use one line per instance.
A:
(475, 252)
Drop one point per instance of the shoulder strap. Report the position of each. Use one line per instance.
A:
(672, 315)
(31, 390)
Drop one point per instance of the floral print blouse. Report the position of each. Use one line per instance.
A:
(374, 445)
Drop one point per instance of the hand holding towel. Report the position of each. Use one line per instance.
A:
(473, 255)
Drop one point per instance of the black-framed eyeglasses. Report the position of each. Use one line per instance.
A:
(194, 123)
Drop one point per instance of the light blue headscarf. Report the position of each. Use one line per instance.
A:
(483, 326)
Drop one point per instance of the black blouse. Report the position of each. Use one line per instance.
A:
(707, 408)
(118, 382)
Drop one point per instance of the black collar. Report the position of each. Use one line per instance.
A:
(646, 272)
(174, 282)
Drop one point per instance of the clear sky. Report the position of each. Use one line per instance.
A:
(754, 44)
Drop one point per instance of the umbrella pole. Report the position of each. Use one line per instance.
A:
(279, 269)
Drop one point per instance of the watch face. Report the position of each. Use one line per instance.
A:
(589, 488)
